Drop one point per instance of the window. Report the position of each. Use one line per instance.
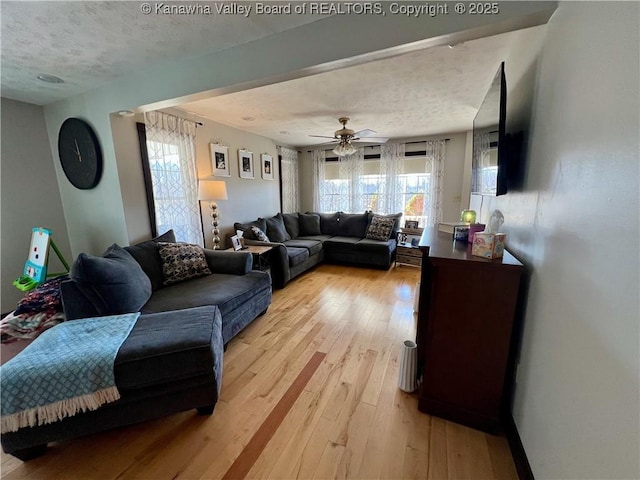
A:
(168, 157)
(414, 188)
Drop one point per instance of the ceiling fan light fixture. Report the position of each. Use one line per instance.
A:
(344, 149)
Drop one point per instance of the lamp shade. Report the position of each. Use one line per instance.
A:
(344, 148)
(212, 190)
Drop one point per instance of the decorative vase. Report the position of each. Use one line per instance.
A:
(407, 381)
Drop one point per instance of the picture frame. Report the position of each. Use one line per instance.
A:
(235, 241)
(267, 166)
(219, 160)
(245, 164)
(413, 224)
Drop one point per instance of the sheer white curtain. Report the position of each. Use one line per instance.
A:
(481, 153)
(391, 196)
(289, 177)
(434, 166)
(172, 162)
(319, 187)
(352, 169)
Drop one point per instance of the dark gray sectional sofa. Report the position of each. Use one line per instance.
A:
(303, 240)
(172, 359)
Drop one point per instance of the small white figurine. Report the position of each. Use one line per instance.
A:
(495, 222)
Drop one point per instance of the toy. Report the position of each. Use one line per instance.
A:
(35, 268)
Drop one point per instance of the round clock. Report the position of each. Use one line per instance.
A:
(80, 153)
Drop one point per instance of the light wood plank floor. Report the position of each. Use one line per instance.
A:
(348, 421)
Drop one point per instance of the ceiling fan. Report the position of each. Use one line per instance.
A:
(345, 136)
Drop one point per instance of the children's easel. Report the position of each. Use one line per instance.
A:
(35, 268)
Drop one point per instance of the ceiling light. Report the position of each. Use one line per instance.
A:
(344, 149)
(248, 119)
(126, 113)
(49, 78)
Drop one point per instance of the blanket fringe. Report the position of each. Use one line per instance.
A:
(58, 410)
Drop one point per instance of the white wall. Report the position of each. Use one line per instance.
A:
(576, 225)
(30, 196)
(453, 188)
(248, 198)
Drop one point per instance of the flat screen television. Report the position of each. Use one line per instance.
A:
(490, 159)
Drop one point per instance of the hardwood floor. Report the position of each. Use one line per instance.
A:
(309, 391)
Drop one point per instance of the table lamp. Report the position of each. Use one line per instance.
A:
(468, 216)
(213, 190)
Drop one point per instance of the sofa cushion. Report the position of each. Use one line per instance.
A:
(260, 235)
(246, 228)
(317, 238)
(228, 292)
(276, 230)
(380, 228)
(168, 346)
(291, 224)
(341, 243)
(146, 254)
(309, 224)
(297, 255)
(369, 245)
(114, 283)
(353, 224)
(314, 246)
(328, 223)
(182, 261)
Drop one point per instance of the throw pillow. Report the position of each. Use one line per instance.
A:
(114, 283)
(309, 224)
(380, 228)
(182, 261)
(397, 217)
(353, 224)
(146, 254)
(260, 235)
(246, 228)
(291, 224)
(276, 230)
(328, 223)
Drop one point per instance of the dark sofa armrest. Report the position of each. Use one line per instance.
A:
(280, 273)
(232, 263)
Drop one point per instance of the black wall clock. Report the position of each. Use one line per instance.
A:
(80, 153)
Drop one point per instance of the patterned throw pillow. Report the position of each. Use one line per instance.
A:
(182, 261)
(260, 235)
(380, 228)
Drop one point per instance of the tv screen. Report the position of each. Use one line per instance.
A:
(489, 174)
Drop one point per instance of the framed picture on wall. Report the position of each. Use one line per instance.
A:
(267, 166)
(219, 160)
(245, 164)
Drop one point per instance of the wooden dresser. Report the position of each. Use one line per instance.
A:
(466, 316)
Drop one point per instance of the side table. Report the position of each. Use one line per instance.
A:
(260, 253)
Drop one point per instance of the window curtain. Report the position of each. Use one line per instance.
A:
(434, 166)
(319, 187)
(391, 196)
(352, 169)
(172, 161)
(289, 178)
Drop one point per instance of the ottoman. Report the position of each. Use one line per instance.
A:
(170, 362)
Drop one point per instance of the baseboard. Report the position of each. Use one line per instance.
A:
(517, 449)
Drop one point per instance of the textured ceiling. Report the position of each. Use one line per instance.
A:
(89, 43)
(428, 92)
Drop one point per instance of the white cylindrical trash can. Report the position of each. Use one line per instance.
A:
(407, 381)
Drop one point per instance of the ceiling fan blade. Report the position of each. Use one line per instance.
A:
(371, 139)
(322, 136)
(365, 133)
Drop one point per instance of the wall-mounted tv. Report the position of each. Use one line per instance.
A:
(489, 165)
